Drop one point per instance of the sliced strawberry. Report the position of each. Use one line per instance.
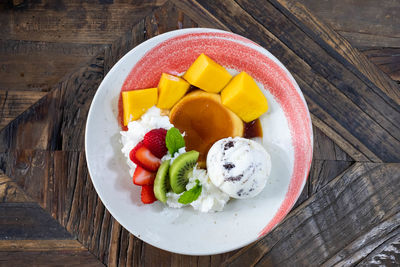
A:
(155, 142)
(142, 157)
(133, 151)
(143, 177)
(147, 194)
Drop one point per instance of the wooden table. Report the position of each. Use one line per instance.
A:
(54, 54)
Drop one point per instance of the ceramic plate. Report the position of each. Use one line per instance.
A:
(287, 136)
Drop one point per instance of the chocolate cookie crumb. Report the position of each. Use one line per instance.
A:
(229, 166)
(228, 145)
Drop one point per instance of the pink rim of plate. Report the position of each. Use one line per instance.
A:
(175, 55)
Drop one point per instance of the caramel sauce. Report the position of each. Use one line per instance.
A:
(253, 129)
(204, 120)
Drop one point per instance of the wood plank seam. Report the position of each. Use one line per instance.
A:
(294, 213)
(291, 214)
(323, 36)
(380, 247)
(388, 238)
(347, 146)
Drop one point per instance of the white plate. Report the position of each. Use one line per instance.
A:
(287, 137)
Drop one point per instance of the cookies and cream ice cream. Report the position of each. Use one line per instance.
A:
(238, 166)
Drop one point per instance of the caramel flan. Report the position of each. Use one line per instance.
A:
(204, 120)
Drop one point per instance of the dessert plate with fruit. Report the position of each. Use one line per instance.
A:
(199, 141)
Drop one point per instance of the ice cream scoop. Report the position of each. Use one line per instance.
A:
(238, 166)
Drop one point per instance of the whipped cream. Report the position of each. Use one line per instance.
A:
(211, 199)
(152, 119)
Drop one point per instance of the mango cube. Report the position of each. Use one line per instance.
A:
(136, 102)
(207, 74)
(170, 90)
(244, 97)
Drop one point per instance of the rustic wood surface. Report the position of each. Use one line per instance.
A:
(344, 55)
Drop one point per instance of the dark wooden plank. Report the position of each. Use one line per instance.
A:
(48, 258)
(326, 149)
(37, 120)
(321, 173)
(41, 245)
(77, 94)
(73, 21)
(338, 46)
(371, 247)
(10, 191)
(13, 103)
(362, 126)
(199, 14)
(352, 207)
(60, 182)
(387, 59)
(57, 121)
(38, 66)
(29, 172)
(365, 23)
(387, 254)
(334, 131)
(58, 252)
(28, 221)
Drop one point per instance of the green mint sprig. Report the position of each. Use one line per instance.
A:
(192, 194)
(174, 140)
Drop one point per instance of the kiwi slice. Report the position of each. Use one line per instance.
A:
(161, 183)
(180, 170)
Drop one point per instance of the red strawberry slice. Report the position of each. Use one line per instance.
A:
(147, 194)
(142, 156)
(155, 141)
(133, 151)
(143, 177)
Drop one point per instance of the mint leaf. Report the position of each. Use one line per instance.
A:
(174, 140)
(192, 194)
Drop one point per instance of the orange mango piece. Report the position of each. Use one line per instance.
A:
(243, 96)
(170, 89)
(136, 102)
(207, 75)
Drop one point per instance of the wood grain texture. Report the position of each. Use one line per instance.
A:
(28, 221)
(348, 212)
(10, 191)
(326, 149)
(334, 223)
(387, 59)
(13, 103)
(365, 23)
(58, 119)
(337, 46)
(199, 14)
(41, 245)
(387, 254)
(48, 258)
(37, 66)
(73, 21)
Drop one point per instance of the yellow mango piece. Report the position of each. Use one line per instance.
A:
(170, 90)
(136, 102)
(244, 97)
(207, 75)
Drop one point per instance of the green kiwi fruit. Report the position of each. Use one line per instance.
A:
(161, 183)
(180, 170)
